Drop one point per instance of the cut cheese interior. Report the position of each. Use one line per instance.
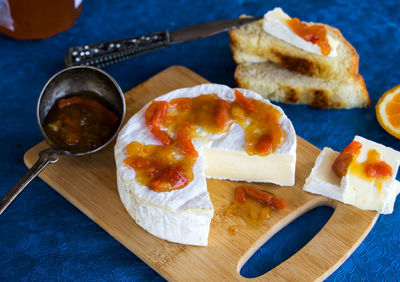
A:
(184, 215)
(223, 164)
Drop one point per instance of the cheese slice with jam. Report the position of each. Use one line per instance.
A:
(184, 215)
(275, 23)
(354, 188)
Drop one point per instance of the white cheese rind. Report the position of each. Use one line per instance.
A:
(322, 180)
(350, 189)
(275, 24)
(184, 215)
(393, 192)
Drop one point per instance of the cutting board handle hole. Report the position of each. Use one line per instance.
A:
(286, 242)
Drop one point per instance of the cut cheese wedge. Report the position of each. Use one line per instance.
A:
(352, 189)
(184, 215)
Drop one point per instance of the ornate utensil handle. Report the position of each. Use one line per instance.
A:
(110, 52)
(46, 156)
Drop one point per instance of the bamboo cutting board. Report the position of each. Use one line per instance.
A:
(89, 182)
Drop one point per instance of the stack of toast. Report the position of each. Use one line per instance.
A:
(282, 72)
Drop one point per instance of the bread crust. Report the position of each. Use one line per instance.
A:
(360, 81)
(252, 40)
(271, 81)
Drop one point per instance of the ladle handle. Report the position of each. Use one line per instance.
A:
(110, 52)
(47, 156)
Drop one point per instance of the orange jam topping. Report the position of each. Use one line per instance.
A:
(345, 157)
(162, 168)
(316, 34)
(177, 122)
(372, 169)
(253, 206)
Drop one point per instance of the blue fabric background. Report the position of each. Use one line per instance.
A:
(43, 237)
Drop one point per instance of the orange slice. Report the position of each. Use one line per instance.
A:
(388, 111)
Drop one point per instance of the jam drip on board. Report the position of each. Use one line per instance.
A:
(253, 206)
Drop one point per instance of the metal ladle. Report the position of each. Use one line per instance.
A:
(68, 81)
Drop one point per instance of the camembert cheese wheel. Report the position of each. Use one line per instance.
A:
(183, 215)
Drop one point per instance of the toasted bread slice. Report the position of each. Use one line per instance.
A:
(250, 43)
(279, 84)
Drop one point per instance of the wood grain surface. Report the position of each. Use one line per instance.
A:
(89, 182)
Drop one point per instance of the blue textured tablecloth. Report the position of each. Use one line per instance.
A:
(44, 237)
